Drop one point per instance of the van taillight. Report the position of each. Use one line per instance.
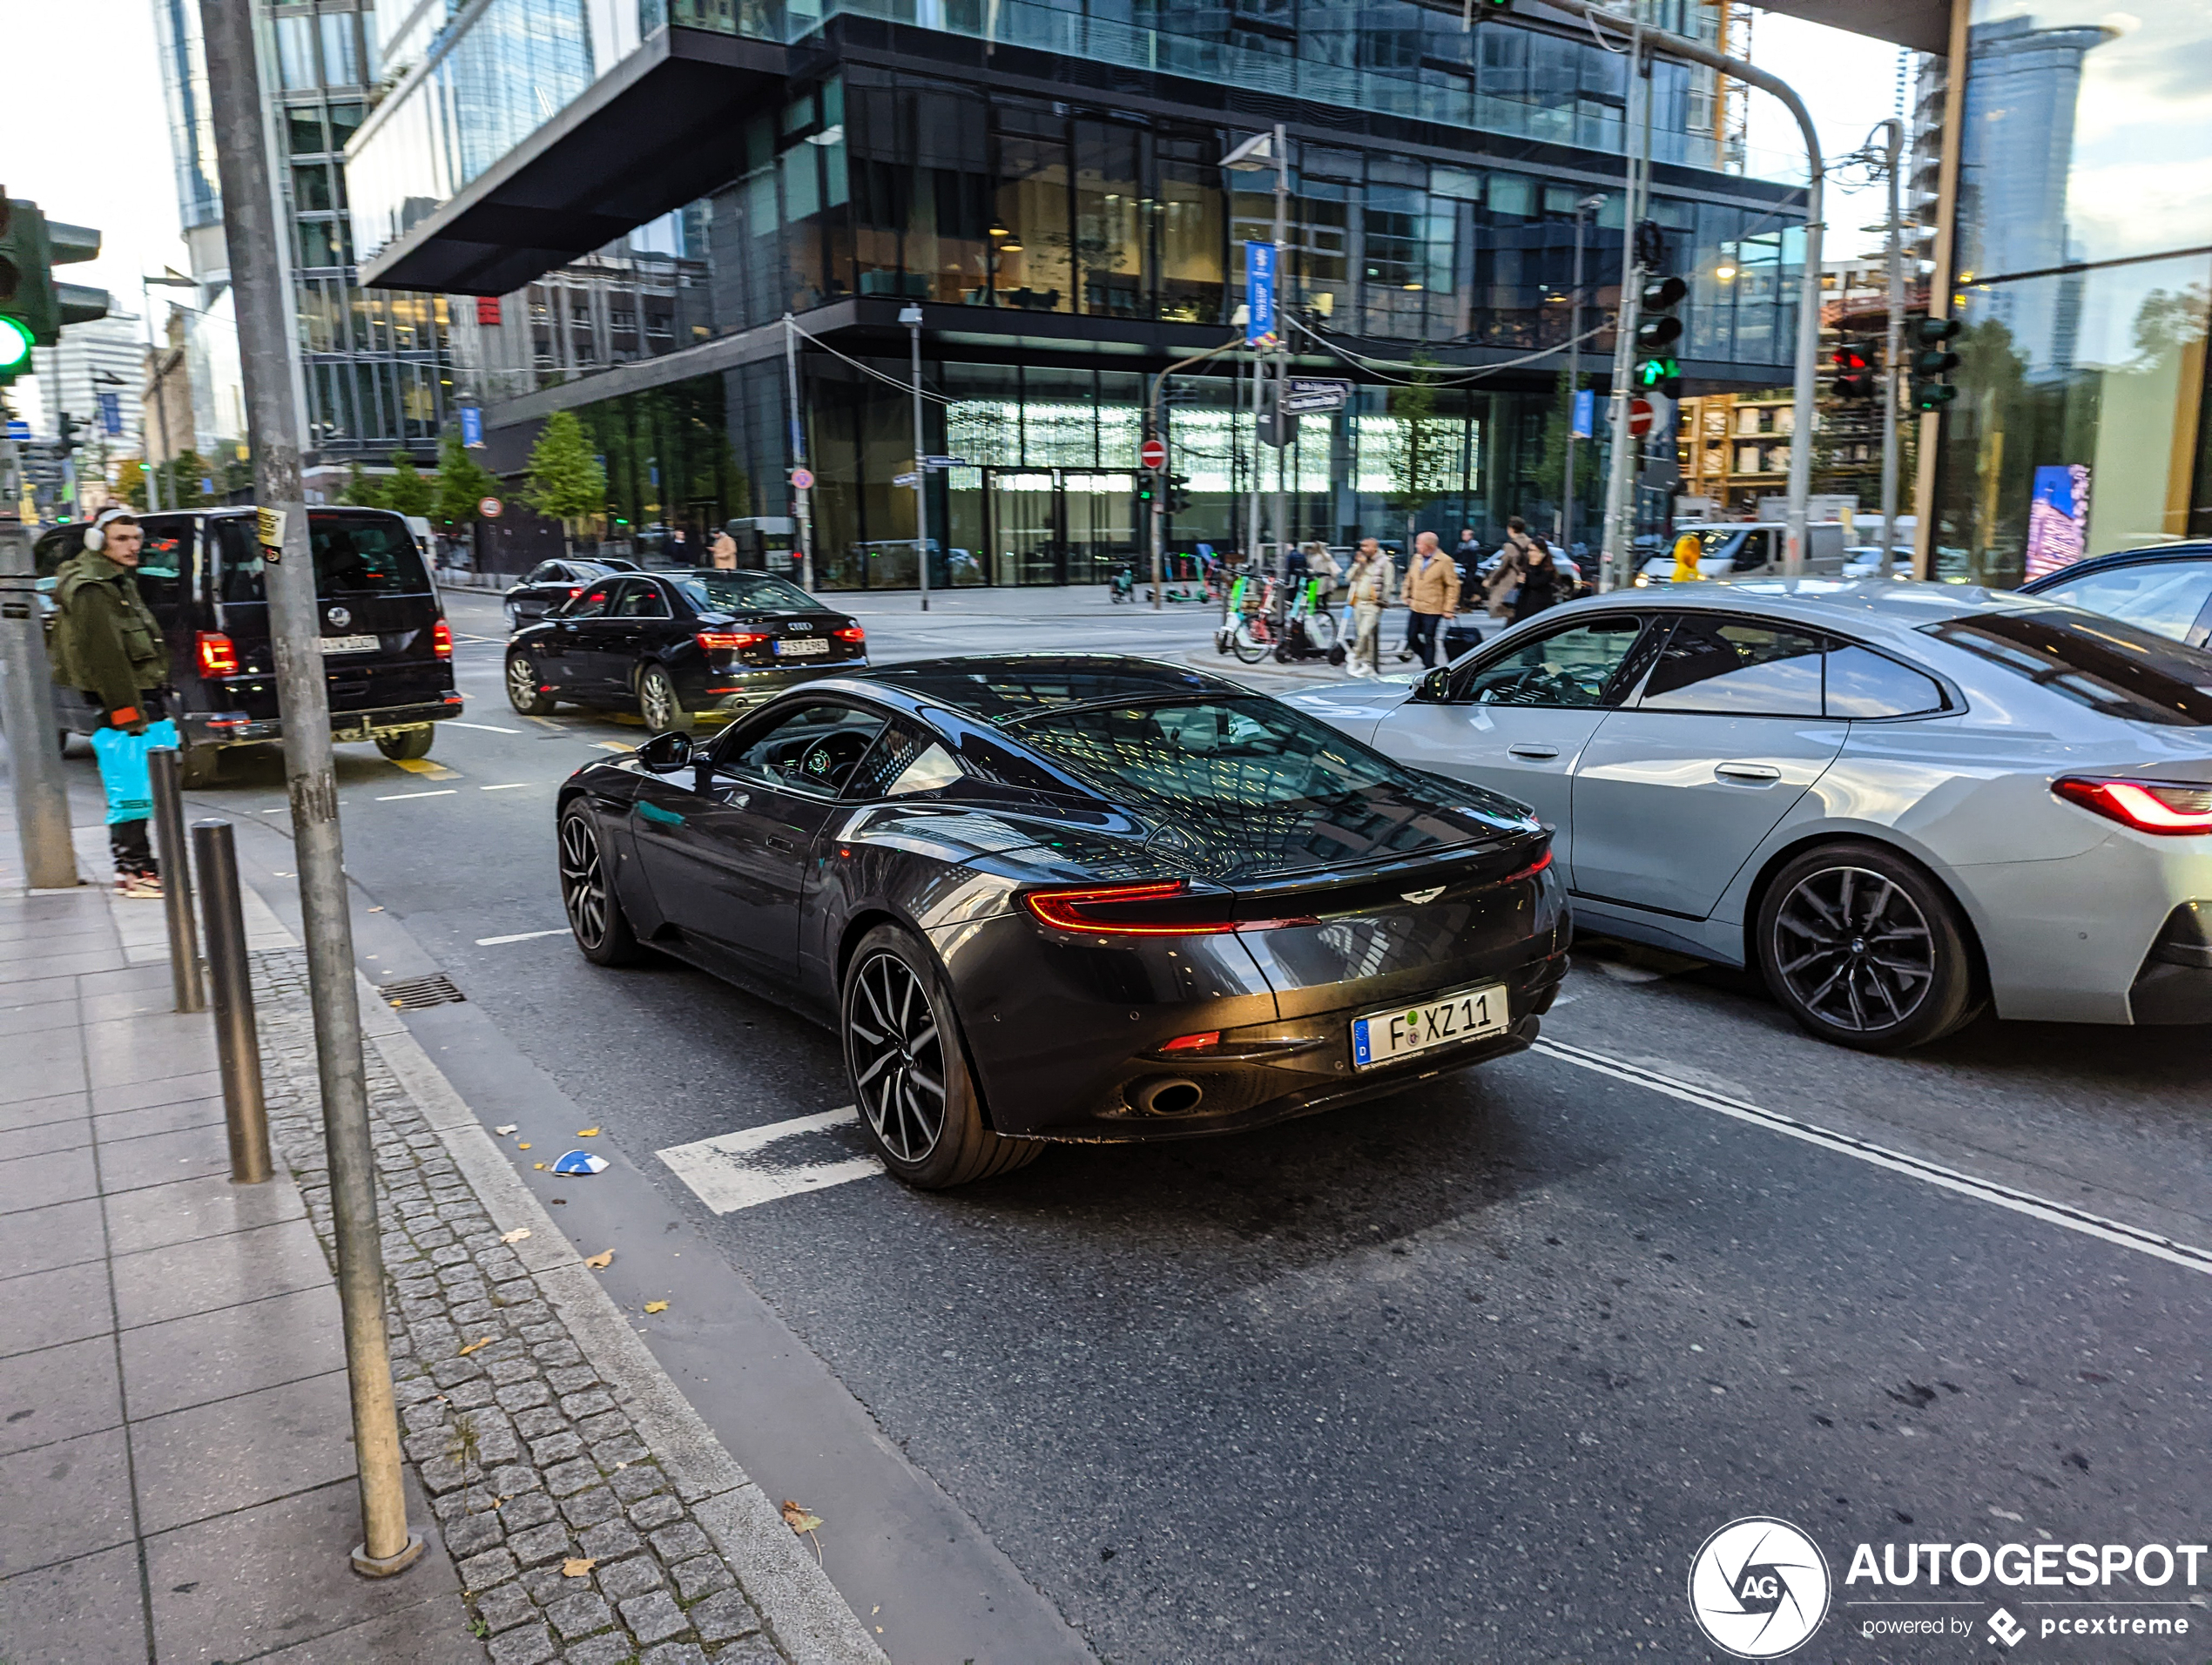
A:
(217, 658)
(441, 639)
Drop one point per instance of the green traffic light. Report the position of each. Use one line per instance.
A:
(15, 343)
(1652, 372)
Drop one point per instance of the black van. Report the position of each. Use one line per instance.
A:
(385, 637)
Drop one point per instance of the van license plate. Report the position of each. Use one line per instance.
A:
(1471, 1015)
(351, 644)
(801, 647)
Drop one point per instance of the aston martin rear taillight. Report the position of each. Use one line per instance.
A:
(1170, 908)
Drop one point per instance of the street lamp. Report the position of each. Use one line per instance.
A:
(1272, 149)
(910, 315)
(171, 279)
(1583, 210)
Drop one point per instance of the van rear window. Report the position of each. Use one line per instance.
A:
(356, 555)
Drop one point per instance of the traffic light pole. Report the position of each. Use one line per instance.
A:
(1658, 41)
(27, 702)
(1156, 427)
(1619, 537)
(1893, 350)
(263, 307)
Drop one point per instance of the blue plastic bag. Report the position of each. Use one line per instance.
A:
(124, 772)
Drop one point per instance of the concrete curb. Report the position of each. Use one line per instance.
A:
(807, 1617)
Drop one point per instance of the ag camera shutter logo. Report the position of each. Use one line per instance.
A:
(1758, 1588)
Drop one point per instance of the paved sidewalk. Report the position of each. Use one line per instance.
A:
(176, 1471)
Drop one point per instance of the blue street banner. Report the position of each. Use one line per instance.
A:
(1585, 421)
(472, 427)
(1259, 294)
(110, 414)
(18, 428)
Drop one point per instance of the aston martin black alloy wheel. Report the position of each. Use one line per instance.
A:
(522, 687)
(1865, 949)
(908, 1068)
(601, 928)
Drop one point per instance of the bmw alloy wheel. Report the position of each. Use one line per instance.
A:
(1854, 948)
(583, 881)
(899, 1058)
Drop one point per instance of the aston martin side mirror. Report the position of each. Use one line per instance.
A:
(666, 753)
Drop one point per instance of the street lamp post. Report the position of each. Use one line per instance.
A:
(147, 286)
(1272, 149)
(1893, 350)
(1582, 211)
(911, 317)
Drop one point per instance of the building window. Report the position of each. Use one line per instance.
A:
(295, 40)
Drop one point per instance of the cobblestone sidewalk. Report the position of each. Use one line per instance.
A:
(594, 1518)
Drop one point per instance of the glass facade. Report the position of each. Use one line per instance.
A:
(2084, 212)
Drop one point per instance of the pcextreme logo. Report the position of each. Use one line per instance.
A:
(1758, 1588)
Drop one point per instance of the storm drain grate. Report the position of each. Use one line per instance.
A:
(414, 992)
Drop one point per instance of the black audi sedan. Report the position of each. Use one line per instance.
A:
(1074, 898)
(676, 646)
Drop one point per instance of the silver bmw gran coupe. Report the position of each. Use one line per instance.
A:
(1901, 802)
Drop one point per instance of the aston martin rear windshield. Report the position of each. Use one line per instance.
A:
(1243, 786)
(2093, 661)
(1008, 688)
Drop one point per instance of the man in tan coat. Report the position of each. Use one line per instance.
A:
(1432, 594)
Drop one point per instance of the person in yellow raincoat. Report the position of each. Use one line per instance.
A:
(1688, 548)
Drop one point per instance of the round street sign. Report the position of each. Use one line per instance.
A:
(802, 479)
(1153, 453)
(490, 508)
(1639, 417)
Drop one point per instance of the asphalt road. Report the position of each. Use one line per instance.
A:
(1464, 1375)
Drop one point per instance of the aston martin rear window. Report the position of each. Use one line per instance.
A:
(2109, 666)
(1006, 689)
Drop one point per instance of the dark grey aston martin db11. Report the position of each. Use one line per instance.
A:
(1074, 898)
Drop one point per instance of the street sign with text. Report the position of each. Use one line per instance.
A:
(1307, 394)
(909, 479)
(936, 463)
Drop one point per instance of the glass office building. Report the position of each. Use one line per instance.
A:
(1046, 183)
(2083, 276)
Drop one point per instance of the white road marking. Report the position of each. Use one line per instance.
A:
(519, 936)
(723, 1172)
(486, 728)
(393, 798)
(1897, 1162)
(517, 785)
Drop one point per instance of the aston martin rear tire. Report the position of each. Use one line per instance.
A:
(906, 1062)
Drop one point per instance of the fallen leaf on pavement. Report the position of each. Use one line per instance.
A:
(536, 1164)
(578, 1566)
(587, 1133)
(522, 1144)
(656, 1306)
(796, 1517)
(503, 1132)
(515, 1236)
(472, 1346)
(600, 1261)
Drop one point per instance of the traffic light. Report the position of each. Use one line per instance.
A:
(33, 307)
(1933, 362)
(1854, 372)
(1148, 493)
(1276, 429)
(1179, 493)
(67, 426)
(1657, 330)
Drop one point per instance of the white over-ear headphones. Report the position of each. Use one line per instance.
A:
(96, 534)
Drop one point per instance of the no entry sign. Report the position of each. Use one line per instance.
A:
(1639, 417)
(1153, 453)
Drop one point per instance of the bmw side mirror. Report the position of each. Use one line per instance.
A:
(1435, 689)
(666, 754)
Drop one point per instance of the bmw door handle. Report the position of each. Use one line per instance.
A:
(1526, 749)
(1749, 773)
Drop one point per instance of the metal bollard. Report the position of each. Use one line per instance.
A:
(244, 1114)
(175, 880)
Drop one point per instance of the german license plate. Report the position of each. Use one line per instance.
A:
(350, 643)
(801, 647)
(1384, 1037)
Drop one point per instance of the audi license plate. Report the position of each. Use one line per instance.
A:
(801, 647)
(1384, 1037)
(350, 643)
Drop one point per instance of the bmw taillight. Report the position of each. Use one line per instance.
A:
(218, 655)
(728, 640)
(2173, 809)
(1166, 909)
(441, 639)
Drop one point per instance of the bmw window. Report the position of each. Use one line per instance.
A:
(2109, 666)
(1737, 668)
(1571, 667)
(1864, 684)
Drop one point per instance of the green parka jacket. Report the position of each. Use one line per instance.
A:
(105, 641)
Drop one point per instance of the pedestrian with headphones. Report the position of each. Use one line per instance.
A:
(106, 642)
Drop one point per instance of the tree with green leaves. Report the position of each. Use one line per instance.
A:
(180, 482)
(1426, 467)
(131, 483)
(462, 482)
(361, 490)
(406, 492)
(565, 482)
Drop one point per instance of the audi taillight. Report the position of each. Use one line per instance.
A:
(2171, 808)
(851, 633)
(1171, 908)
(441, 639)
(728, 640)
(218, 655)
